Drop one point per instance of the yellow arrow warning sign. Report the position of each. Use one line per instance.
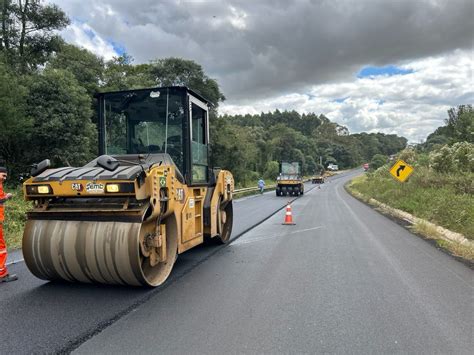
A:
(401, 170)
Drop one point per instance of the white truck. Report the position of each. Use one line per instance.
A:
(333, 167)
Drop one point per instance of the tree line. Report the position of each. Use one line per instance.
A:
(48, 110)
(450, 148)
(458, 127)
(313, 140)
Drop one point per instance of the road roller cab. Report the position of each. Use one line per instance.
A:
(150, 195)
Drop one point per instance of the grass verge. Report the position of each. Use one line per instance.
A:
(443, 199)
(15, 218)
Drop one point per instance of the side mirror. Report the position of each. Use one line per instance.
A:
(107, 162)
(23, 176)
(40, 167)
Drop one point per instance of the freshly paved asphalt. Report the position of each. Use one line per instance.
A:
(344, 279)
(43, 317)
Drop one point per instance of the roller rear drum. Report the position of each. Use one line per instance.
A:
(95, 252)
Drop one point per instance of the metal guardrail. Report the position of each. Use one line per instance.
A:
(250, 189)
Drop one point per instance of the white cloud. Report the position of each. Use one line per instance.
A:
(82, 35)
(411, 105)
(237, 18)
(303, 55)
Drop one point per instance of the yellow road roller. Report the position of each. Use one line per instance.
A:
(151, 194)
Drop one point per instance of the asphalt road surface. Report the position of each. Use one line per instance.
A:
(43, 317)
(344, 279)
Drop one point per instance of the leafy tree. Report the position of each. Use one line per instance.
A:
(442, 160)
(436, 139)
(459, 128)
(320, 169)
(86, 67)
(463, 156)
(310, 165)
(15, 125)
(460, 123)
(272, 169)
(344, 156)
(182, 72)
(28, 32)
(285, 142)
(228, 148)
(377, 161)
(63, 129)
(121, 74)
(327, 130)
(330, 159)
(408, 155)
(456, 158)
(309, 122)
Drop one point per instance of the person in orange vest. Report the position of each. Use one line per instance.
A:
(4, 275)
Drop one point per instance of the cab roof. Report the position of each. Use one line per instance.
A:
(183, 88)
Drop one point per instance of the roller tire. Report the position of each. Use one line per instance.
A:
(224, 229)
(95, 252)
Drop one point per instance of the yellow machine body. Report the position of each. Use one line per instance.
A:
(123, 219)
(115, 237)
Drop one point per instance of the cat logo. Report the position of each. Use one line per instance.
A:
(77, 186)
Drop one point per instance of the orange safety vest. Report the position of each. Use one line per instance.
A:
(3, 198)
(3, 247)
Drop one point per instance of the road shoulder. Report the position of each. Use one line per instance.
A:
(452, 243)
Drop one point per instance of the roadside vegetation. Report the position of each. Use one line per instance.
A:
(15, 218)
(444, 199)
(441, 188)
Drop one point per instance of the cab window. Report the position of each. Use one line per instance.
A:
(199, 144)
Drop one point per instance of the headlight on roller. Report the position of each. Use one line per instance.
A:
(39, 190)
(112, 188)
(120, 188)
(44, 189)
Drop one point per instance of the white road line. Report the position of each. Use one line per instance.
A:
(15, 262)
(307, 229)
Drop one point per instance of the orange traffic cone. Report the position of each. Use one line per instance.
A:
(288, 216)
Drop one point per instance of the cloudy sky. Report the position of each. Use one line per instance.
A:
(393, 66)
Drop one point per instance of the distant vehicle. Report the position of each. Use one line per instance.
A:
(289, 182)
(333, 167)
(366, 166)
(318, 179)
